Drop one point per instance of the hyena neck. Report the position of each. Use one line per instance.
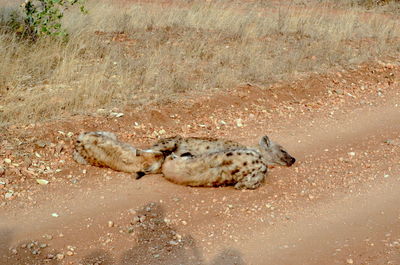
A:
(266, 156)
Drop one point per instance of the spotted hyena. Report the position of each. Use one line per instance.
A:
(273, 153)
(103, 149)
(244, 168)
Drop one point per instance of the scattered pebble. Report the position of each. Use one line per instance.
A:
(42, 181)
(116, 114)
(48, 237)
(173, 242)
(239, 123)
(41, 144)
(9, 194)
(395, 142)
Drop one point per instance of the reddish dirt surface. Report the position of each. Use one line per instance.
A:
(337, 205)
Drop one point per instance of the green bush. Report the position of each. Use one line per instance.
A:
(43, 18)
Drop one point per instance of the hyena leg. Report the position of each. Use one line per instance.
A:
(78, 158)
(251, 181)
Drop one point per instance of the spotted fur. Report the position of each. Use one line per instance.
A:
(217, 169)
(245, 168)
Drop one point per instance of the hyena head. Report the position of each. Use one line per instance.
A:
(274, 153)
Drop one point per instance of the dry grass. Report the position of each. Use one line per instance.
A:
(142, 52)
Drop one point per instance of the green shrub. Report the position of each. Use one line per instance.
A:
(43, 18)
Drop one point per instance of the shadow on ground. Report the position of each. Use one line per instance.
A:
(159, 243)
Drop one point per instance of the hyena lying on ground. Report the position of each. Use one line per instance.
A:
(245, 168)
(272, 152)
(104, 150)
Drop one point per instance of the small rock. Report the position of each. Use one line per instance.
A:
(54, 214)
(395, 142)
(239, 123)
(110, 224)
(136, 219)
(7, 160)
(48, 237)
(349, 261)
(101, 111)
(339, 91)
(2, 171)
(173, 242)
(60, 256)
(41, 144)
(70, 253)
(116, 114)
(42, 181)
(9, 194)
(352, 153)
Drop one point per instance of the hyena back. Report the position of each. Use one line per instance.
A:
(193, 145)
(104, 150)
(243, 168)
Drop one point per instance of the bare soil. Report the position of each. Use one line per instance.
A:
(337, 205)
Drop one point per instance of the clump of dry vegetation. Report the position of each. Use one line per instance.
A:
(135, 53)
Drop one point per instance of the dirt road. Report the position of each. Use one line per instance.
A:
(339, 204)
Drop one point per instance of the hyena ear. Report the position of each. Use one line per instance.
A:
(265, 142)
